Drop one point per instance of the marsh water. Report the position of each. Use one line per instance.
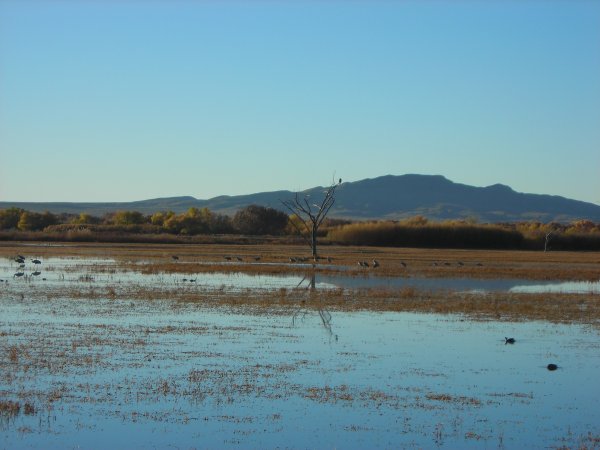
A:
(136, 373)
(106, 271)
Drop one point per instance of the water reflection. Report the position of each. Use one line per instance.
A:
(324, 315)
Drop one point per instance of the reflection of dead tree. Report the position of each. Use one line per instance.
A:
(324, 315)
(302, 312)
(311, 215)
(311, 284)
(326, 319)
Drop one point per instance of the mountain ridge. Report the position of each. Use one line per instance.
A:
(386, 197)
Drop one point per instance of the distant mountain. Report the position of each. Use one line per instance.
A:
(386, 197)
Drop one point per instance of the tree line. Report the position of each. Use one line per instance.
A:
(252, 220)
(255, 220)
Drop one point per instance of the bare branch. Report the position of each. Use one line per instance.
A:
(312, 218)
(295, 212)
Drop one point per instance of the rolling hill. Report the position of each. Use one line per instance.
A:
(386, 197)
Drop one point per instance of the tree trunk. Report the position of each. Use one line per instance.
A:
(313, 242)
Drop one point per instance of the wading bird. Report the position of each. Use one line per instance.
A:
(375, 263)
(175, 258)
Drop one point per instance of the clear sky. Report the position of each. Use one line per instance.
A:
(129, 100)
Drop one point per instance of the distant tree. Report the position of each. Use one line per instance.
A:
(9, 218)
(220, 223)
(260, 220)
(128, 218)
(32, 221)
(311, 214)
(159, 218)
(85, 219)
(195, 221)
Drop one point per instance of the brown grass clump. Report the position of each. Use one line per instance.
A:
(13, 354)
(9, 408)
(454, 399)
(29, 409)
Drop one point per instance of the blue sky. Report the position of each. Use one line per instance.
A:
(119, 101)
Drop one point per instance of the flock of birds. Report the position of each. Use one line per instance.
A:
(20, 273)
(375, 264)
(292, 259)
(298, 259)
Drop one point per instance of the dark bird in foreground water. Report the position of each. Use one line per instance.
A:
(508, 340)
(551, 366)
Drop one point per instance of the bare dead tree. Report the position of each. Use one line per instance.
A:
(547, 241)
(310, 214)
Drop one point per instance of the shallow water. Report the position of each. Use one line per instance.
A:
(60, 271)
(139, 374)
